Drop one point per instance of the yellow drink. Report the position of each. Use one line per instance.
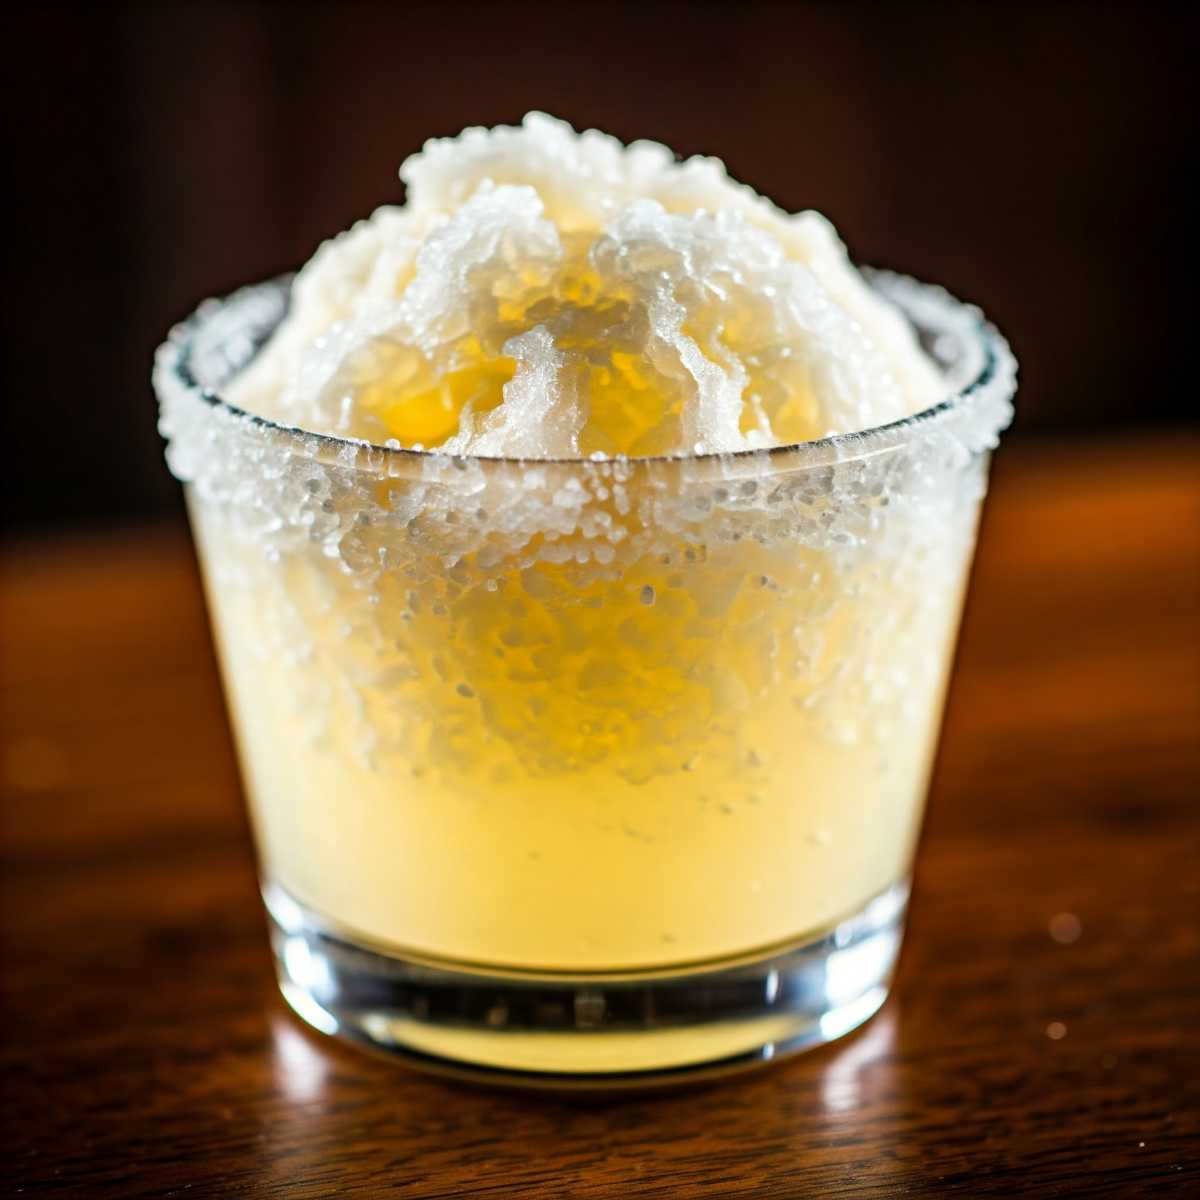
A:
(709, 750)
(586, 660)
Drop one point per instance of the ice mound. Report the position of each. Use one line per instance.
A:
(548, 294)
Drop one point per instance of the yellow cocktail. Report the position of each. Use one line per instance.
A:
(570, 753)
(705, 748)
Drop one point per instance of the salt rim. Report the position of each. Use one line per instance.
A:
(981, 399)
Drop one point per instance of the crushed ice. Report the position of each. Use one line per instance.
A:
(547, 294)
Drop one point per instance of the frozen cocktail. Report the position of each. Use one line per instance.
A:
(585, 542)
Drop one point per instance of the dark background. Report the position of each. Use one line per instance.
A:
(1030, 157)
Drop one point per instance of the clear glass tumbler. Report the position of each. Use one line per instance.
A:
(584, 772)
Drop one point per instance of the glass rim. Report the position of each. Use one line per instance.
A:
(996, 373)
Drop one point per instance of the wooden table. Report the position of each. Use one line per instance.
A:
(1044, 1033)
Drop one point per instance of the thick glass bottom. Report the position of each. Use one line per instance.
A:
(619, 1029)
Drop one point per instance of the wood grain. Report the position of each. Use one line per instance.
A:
(147, 1054)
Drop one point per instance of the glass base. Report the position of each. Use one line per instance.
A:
(619, 1029)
